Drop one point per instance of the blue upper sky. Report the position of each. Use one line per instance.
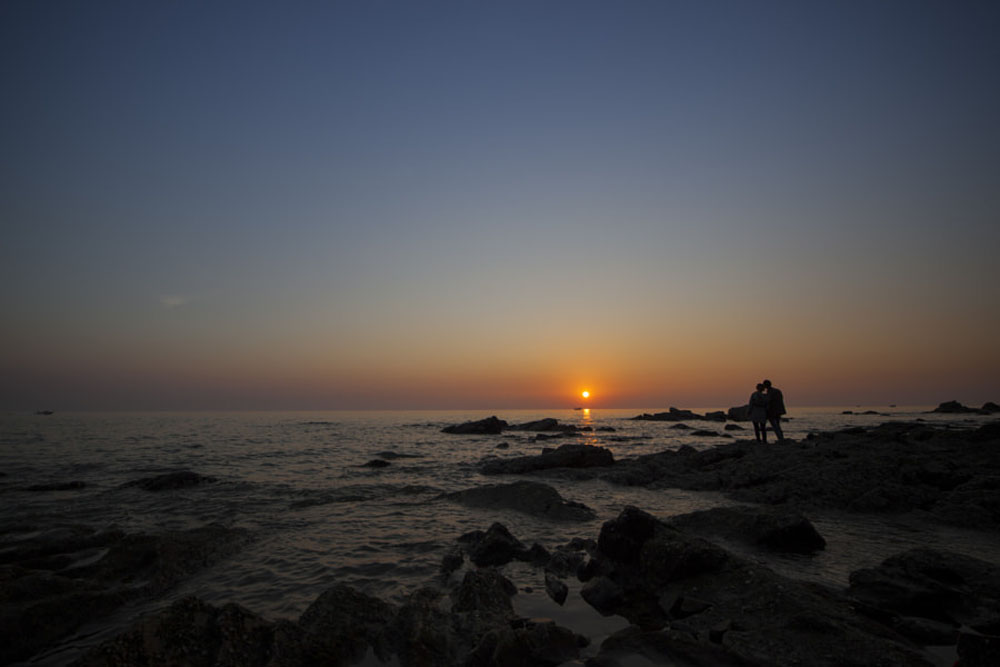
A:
(336, 204)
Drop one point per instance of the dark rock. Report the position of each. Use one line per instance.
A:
(37, 609)
(496, 547)
(674, 415)
(717, 416)
(556, 589)
(925, 632)
(702, 433)
(190, 632)
(536, 642)
(392, 456)
(532, 498)
(990, 408)
(954, 407)
(543, 425)
(734, 427)
(56, 486)
(739, 413)
(490, 425)
(622, 538)
(177, 479)
(451, 561)
(737, 613)
(503, 445)
(681, 427)
(606, 429)
(847, 412)
(942, 586)
(603, 594)
(977, 650)
(566, 456)
(342, 623)
(775, 529)
(376, 463)
(485, 592)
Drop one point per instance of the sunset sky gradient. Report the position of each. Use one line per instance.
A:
(325, 205)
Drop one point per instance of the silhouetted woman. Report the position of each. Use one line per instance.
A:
(758, 413)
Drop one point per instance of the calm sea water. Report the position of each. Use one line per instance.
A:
(297, 481)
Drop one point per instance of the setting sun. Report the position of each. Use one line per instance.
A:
(586, 394)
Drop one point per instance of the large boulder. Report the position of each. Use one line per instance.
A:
(489, 426)
(533, 498)
(739, 413)
(566, 456)
(774, 529)
(495, 547)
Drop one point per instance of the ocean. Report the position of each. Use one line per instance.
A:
(297, 481)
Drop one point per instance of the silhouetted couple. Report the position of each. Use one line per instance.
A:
(767, 404)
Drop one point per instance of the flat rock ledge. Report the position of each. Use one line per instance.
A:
(534, 498)
(566, 456)
(494, 425)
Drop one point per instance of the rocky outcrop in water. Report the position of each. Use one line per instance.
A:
(533, 498)
(674, 415)
(53, 584)
(57, 486)
(566, 456)
(488, 426)
(956, 408)
(494, 425)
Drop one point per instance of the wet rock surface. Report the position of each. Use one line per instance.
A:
(54, 584)
(532, 498)
(490, 425)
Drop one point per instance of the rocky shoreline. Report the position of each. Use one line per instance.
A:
(686, 599)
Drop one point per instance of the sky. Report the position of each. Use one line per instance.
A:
(488, 205)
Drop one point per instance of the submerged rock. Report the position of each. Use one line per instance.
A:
(178, 479)
(532, 498)
(57, 486)
(376, 463)
(490, 425)
(566, 456)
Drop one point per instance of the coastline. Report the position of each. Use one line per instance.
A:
(940, 473)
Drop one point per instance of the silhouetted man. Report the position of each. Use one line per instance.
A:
(775, 408)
